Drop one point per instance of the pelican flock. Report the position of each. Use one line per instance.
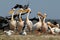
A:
(23, 26)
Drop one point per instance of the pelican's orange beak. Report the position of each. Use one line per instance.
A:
(45, 15)
(39, 14)
(19, 11)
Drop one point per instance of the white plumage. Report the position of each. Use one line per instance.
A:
(10, 32)
(12, 22)
(37, 25)
(20, 22)
(24, 32)
(29, 23)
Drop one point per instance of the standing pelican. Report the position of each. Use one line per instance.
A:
(29, 23)
(20, 23)
(44, 24)
(12, 22)
(38, 25)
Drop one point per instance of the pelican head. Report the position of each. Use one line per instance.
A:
(45, 15)
(28, 10)
(48, 23)
(58, 25)
(39, 14)
(20, 12)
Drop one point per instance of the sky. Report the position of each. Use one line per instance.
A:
(50, 7)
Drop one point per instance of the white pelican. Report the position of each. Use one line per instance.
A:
(52, 25)
(38, 25)
(29, 23)
(55, 29)
(20, 23)
(44, 24)
(51, 30)
(12, 22)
